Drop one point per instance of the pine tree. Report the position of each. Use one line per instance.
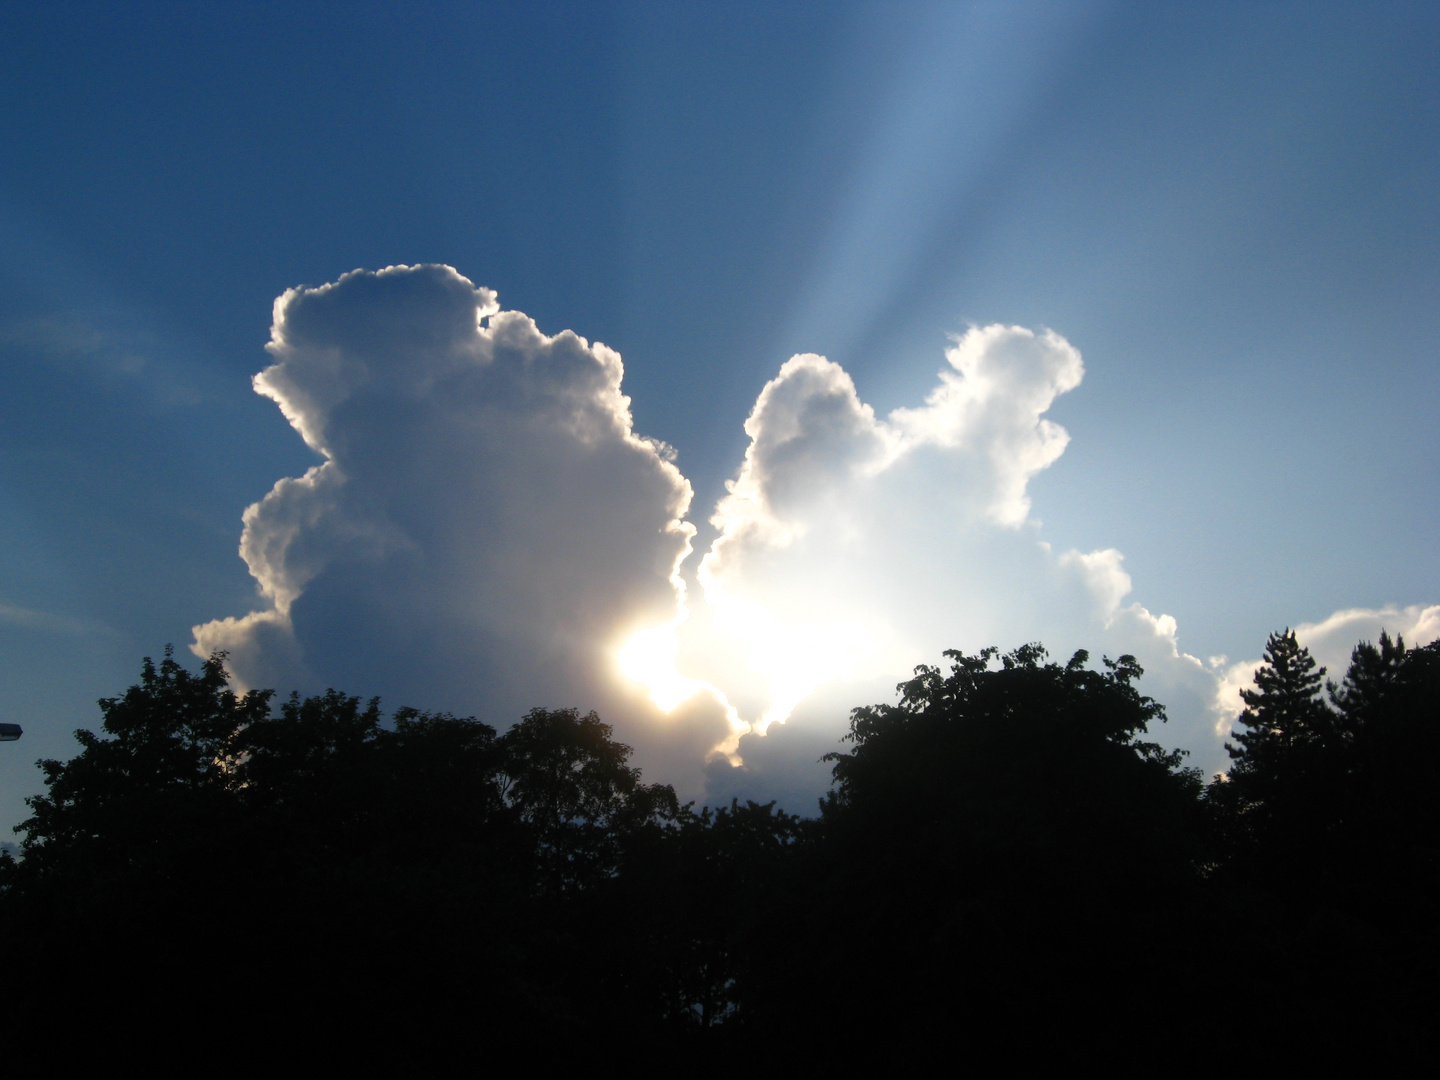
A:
(1375, 674)
(1284, 717)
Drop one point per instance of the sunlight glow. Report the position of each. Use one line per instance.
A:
(791, 660)
(775, 643)
(648, 657)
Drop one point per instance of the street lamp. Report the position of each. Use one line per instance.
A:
(10, 732)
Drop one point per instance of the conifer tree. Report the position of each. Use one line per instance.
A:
(1375, 674)
(1284, 722)
(1282, 796)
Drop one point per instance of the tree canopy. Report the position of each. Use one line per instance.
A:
(1005, 850)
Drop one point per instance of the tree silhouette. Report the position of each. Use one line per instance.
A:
(292, 871)
(1374, 675)
(1285, 721)
(572, 786)
(1026, 757)
(702, 905)
(1327, 824)
(1006, 861)
(1282, 789)
(1385, 850)
(141, 799)
(1002, 844)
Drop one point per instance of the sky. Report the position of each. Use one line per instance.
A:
(709, 365)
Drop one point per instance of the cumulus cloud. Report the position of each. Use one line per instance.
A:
(852, 547)
(835, 529)
(485, 532)
(484, 527)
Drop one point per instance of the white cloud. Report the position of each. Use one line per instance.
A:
(1104, 577)
(485, 533)
(853, 547)
(485, 528)
(992, 406)
(1332, 639)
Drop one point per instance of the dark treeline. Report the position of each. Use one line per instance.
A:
(1006, 869)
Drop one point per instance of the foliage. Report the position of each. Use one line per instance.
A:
(1003, 843)
(1374, 675)
(146, 794)
(1285, 725)
(572, 786)
(708, 902)
(1325, 842)
(1026, 755)
(1003, 833)
(1318, 789)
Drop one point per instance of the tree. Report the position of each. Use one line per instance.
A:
(1025, 770)
(1374, 675)
(1003, 843)
(141, 798)
(1282, 789)
(1285, 721)
(1328, 857)
(702, 905)
(1021, 740)
(202, 859)
(128, 875)
(1384, 849)
(572, 786)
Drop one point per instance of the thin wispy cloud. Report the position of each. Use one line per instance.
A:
(52, 622)
(86, 348)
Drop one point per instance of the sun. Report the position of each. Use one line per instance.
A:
(790, 660)
(648, 658)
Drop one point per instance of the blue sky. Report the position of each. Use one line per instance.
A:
(1229, 211)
